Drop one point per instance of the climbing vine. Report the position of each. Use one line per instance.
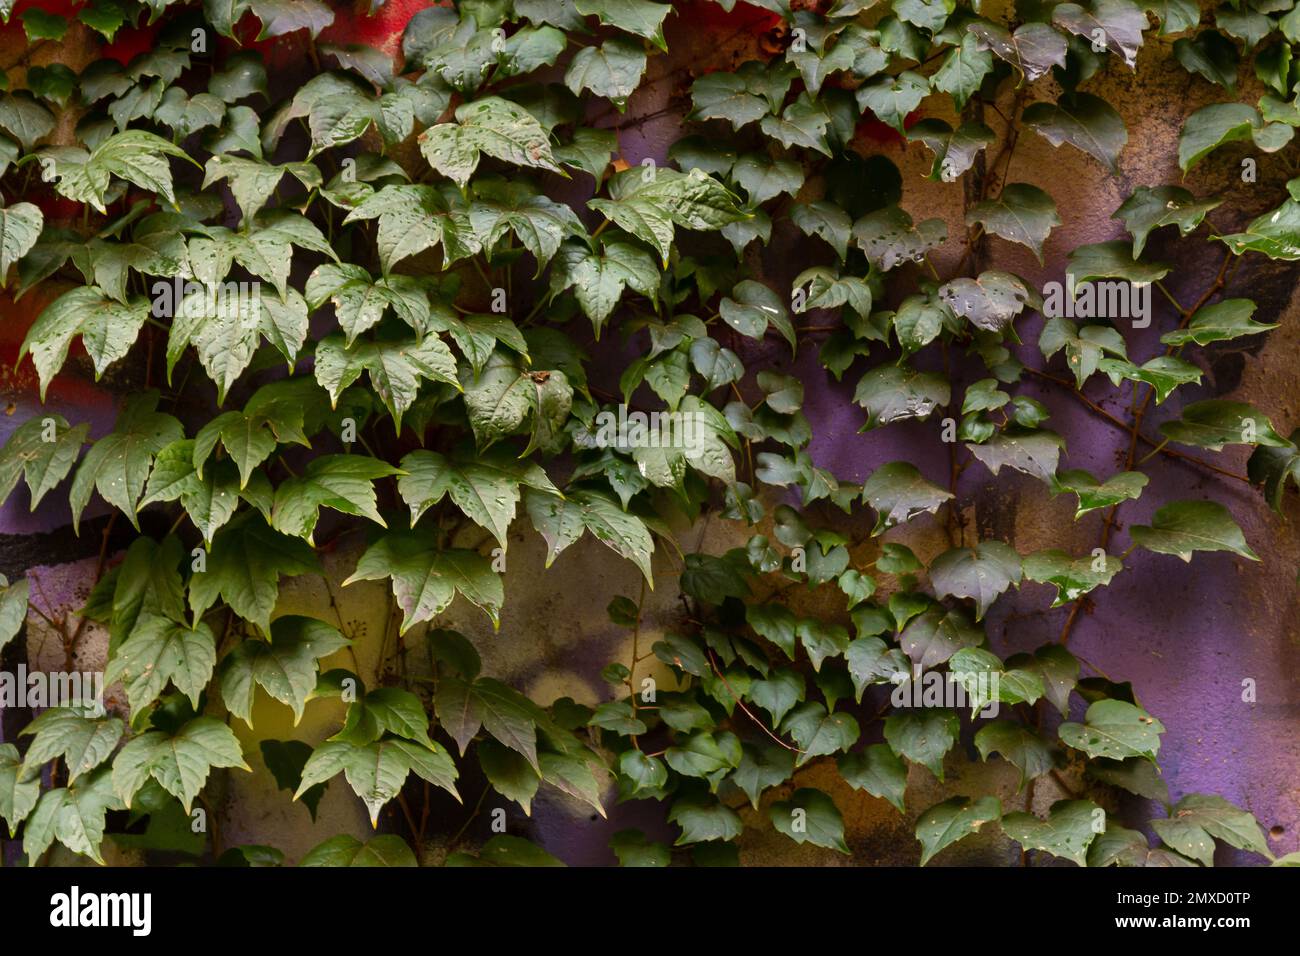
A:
(372, 308)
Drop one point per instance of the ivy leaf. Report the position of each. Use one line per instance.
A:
(980, 573)
(17, 795)
(341, 482)
(946, 823)
(1183, 527)
(386, 850)
(877, 771)
(810, 816)
(285, 667)
(72, 815)
(991, 301)
(1112, 260)
(41, 463)
(893, 98)
(1033, 49)
(923, 736)
(20, 227)
(107, 328)
(376, 771)
(25, 119)
(243, 568)
(1121, 23)
(1212, 126)
(612, 70)
(1198, 819)
(415, 218)
(540, 223)
(1018, 745)
(561, 521)
(1084, 121)
(1219, 322)
(745, 96)
(360, 301)
(280, 17)
(1119, 846)
(1114, 728)
(641, 17)
(817, 732)
(887, 237)
(1150, 208)
(1067, 832)
(819, 218)
(935, 635)
(649, 206)
(754, 308)
(252, 181)
(590, 150)
(160, 650)
(954, 152)
(1216, 422)
(395, 368)
(180, 761)
(598, 279)
(426, 579)
(703, 818)
(83, 742)
(501, 397)
(899, 492)
(485, 487)
(891, 394)
(1176, 16)
(1084, 347)
(802, 123)
(1021, 213)
(135, 155)
(963, 70)
(1072, 577)
(118, 464)
(1276, 234)
(1210, 54)
(1033, 451)
(494, 126)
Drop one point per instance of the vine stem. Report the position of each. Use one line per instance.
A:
(748, 713)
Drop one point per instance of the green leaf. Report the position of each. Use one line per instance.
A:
(285, 667)
(1210, 54)
(83, 742)
(41, 451)
(118, 464)
(493, 126)
(426, 578)
(25, 119)
(107, 328)
(802, 123)
(1033, 49)
(612, 70)
(1072, 577)
(946, 823)
(180, 761)
(376, 771)
(561, 522)
(754, 308)
(817, 732)
(703, 818)
(1276, 234)
(160, 650)
(17, 795)
(632, 849)
(1021, 213)
(888, 238)
(648, 204)
(73, 815)
(505, 394)
(1018, 745)
(243, 568)
(890, 394)
(1183, 527)
(1216, 422)
(1150, 208)
(137, 156)
(744, 96)
(1219, 322)
(963, 70)
(385, 850)
(810, 816)
(980, 573)
(598, 279)
(640, 17)
(877, 771)
(1084, 121)
(1212, 126)
(1122, 847)
(395, 368)
(1114, 728)
(899, 492)
(1033, 451)
(1069, 829)
(1120, 23)
(892, 98)
(922, 736)
(1199, 819)
(1112, 260)
(341, 482)
(20, 227)
(415, 218)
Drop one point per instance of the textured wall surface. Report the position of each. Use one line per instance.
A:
(1186, 636)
